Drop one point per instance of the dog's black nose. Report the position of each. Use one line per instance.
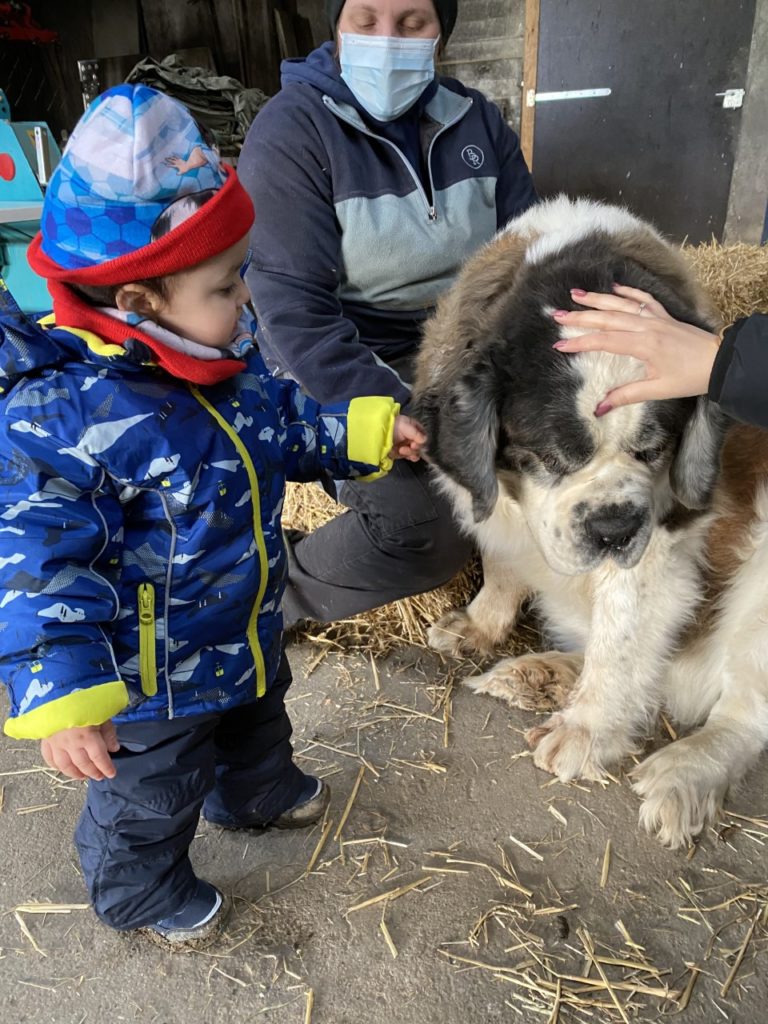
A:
(614, 527)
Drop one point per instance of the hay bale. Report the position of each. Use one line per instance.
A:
(737, 278)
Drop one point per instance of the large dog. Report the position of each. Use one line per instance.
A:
(641, 536)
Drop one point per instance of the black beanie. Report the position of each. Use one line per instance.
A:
(446, 12)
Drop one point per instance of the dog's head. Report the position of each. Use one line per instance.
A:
(515, 417)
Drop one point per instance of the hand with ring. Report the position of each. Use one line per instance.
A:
(677, 357)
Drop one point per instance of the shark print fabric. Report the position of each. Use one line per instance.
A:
(141, 554)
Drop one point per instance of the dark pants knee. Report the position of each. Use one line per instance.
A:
(398, 538)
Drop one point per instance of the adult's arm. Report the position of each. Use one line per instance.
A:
(515, 190)
(739, 381)
(294, 273)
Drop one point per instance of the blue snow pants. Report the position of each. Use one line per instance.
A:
(135, 831)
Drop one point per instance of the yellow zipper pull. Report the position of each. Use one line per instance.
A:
(147, 659)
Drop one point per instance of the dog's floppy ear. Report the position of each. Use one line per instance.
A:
(462, 427)
(696, 464)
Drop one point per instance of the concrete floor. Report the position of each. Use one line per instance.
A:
(436, 814)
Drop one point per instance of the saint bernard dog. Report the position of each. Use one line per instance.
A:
(641, 536)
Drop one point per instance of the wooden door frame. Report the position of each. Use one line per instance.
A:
(530, 71)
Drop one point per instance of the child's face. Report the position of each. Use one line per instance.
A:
(204, 303)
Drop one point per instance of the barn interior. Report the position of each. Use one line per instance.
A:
(450, 881)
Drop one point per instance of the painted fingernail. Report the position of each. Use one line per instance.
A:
(560, 344)
(560, 312)
(578, 291)
(603, 408)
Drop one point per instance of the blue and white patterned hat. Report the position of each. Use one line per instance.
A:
(133, 153)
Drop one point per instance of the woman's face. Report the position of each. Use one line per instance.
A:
(415, 19)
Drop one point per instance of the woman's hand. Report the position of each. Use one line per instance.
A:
(408, 439)
(678, 357)
(82, 753)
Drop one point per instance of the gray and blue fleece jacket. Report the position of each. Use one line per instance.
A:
(361, 225)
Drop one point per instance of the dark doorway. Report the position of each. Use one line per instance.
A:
(662, 142)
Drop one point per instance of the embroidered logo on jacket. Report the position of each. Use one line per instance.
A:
(473, 156)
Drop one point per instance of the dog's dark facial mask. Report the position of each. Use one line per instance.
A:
(511, 411)
(462, 427)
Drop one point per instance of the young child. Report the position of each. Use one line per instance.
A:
(145, 453)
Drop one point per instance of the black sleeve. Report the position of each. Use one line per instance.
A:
(739, 380)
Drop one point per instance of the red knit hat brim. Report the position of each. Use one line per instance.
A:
(218, 225)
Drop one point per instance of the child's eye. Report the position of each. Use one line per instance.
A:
(229, 290)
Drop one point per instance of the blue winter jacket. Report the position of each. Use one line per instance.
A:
(141, 555)
(360, 226)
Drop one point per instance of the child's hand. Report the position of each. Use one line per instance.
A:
(82, 753)
(408, 439)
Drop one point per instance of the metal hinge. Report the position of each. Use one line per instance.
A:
(732, 98)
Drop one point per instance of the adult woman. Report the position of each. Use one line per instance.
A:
(373, 180)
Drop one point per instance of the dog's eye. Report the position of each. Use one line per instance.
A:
(521, 461)
(552, 465)
(648, 455)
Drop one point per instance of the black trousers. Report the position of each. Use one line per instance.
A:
(135, 831)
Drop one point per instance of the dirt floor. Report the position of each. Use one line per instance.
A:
(452, 883)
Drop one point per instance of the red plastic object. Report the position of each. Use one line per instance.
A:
(7, 167)
(17, 25)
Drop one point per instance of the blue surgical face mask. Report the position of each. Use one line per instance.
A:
(386, 74)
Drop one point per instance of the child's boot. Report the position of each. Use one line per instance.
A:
(196, 925)
(310, 806)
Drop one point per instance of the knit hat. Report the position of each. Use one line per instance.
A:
(138, 193)
(446, 12)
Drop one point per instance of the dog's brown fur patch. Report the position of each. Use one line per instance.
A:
(744, 471)
(464, 312)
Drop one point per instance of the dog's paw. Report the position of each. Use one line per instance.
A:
(682, 791)
(568, 748)
(458, 635)
(533, 682)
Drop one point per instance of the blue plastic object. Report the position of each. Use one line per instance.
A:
(28, 154)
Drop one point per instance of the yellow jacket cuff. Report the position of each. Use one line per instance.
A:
(370, 433)
(93, 705)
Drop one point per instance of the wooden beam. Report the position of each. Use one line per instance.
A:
(530, 67)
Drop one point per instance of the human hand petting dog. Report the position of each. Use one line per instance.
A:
(407, 440)
(678, 357)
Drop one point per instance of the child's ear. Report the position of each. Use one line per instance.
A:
(138, 298)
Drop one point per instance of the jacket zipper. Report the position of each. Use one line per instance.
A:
(147, 640)
(250, 469)
(431, 210)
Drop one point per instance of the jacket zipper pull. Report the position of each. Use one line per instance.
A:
(146, 609)
(432, 213)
